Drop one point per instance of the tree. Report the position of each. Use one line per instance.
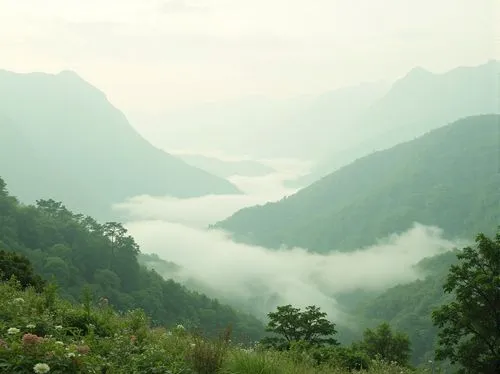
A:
(17, 265)
(470, 325)
(293, 325)
(383, 343)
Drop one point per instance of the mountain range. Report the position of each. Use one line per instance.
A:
(416, 103)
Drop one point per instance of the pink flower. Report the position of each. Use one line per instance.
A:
(31, 339)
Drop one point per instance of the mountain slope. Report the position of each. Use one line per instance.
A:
(73, 145)
(419, 102)
(449, 177)
(408, 307)
(79, 252)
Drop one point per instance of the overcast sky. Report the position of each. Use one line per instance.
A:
(149, 55)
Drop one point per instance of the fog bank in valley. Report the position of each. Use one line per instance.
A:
(259, 279)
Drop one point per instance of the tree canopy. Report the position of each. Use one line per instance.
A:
(290, 324)
(470, 324)
(390, 346)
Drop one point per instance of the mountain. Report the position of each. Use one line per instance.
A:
(62, 135)
(449, 177)
(419, 102)
(77, 252)
(225, 169)
(302, 127)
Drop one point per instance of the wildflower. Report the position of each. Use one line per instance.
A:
(58, 327)
(193, 345)
(70, 355)
(31, 339)
(30, 326)
(41, 368)
(180, 327)
(59, 342)
(19, 300)
(13, 331)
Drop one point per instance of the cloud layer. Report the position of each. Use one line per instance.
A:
(260, 279)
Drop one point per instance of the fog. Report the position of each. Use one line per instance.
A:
(259, 279)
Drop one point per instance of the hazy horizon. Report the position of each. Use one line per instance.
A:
(152, 55)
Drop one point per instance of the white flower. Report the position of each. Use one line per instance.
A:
(70, 355)
(193, 345)
(13, 330)
(19, 300)
(30, 326)
(180, 327)
(59, 342)
(41, 368)
(58, 327)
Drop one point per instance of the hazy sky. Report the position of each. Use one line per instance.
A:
(153, 54)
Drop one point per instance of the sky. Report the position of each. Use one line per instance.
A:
(154, 55)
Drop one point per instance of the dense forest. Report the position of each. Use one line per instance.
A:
(76, 251)
(94, 157)
(386, 192)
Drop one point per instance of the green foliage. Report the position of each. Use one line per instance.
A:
(447, 178)
(100, 260)
(383, 343)
(470, 325)
(31, 335)
(208, 357)
(18, 266)
(290, 324)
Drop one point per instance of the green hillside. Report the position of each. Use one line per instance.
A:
(449, 177)
(78, 148)
(408, 307)
(78, 251)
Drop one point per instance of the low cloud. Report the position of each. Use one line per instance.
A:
(203, 211)
(263, 278)
(258, 279)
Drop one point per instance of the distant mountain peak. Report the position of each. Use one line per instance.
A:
(69, 73)
(417, 72)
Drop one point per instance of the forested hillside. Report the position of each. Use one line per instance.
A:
(79, 149)
(78, 251)
(449, 178)
(408, 307)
